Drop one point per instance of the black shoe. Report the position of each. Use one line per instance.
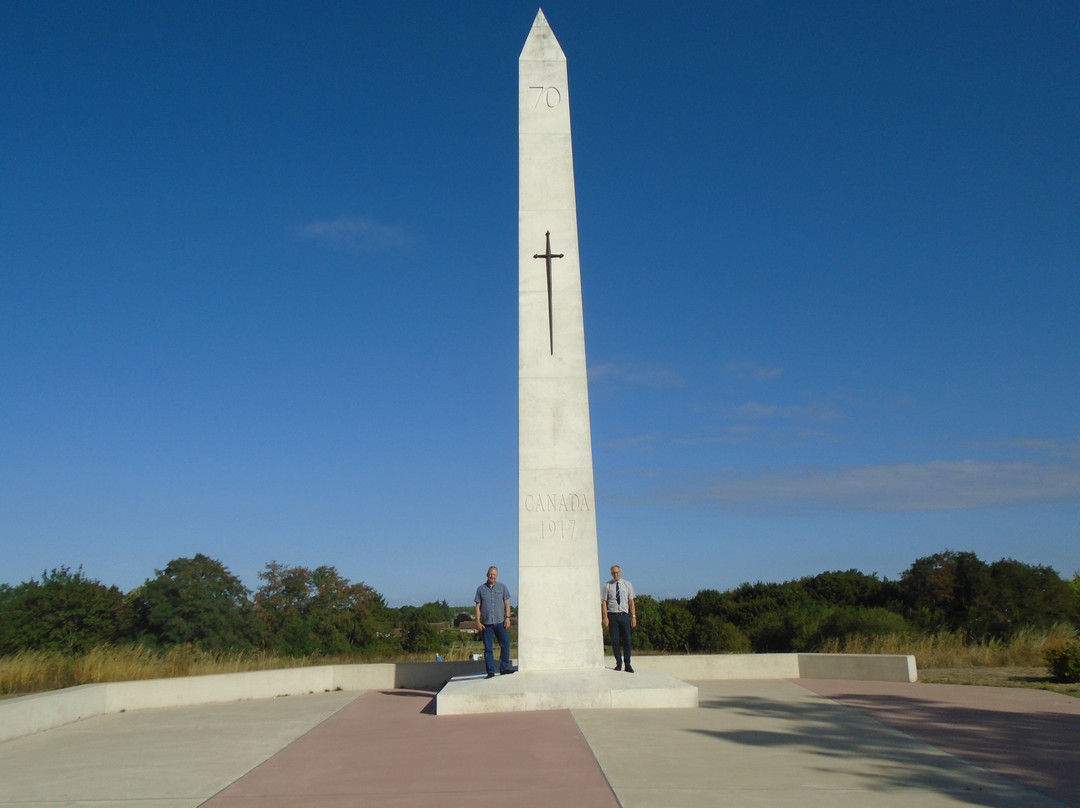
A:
(507, 672)
(628, 668)
(490, 676)
(618, 667)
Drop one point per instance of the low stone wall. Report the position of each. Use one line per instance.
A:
(703, 667)
(29, 714)
(869, 667)
(872, 667)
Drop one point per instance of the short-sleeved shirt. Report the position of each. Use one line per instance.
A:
(618, 600)
(492, 600)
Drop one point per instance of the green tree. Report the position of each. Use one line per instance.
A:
(955, 592)
(848, 588)
(847, 621)
(648, 622)
(776, 617)
(197, 601)
(65, 611)
(789, 629)
(714, 635)
(317, 611)
(434, 612)
(418, 635)
(959, 592)
(758, 603)
(676, 626)
(1028, 596)
(711, 603)
(1074, 587)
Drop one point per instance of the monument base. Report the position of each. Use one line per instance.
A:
(561, 690)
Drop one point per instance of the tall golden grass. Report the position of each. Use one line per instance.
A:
(1026, 648)
(38, 671)
(35, 671)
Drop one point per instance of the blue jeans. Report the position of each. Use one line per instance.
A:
(619, 623)
(499, 631)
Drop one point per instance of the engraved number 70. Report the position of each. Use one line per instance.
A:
(549, 95)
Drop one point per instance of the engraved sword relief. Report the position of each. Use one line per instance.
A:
(548, 255)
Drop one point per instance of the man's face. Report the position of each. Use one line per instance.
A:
(493, 575)
(616, 573)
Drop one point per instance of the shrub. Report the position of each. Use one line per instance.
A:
(857, 620)
(64, 612)
(713, 635)
(195, 601)
(648, 623)
(317, 611)
(1064, 663)
(664, 626)
(418, 636)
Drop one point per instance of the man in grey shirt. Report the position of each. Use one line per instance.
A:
(618, 611)
(493, 619)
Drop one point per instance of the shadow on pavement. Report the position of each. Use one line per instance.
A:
(887, 760)
(1030, 736)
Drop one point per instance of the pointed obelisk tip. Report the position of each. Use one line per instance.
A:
(541, 44)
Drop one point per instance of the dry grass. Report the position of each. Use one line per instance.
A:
(38, 671)
(1022, 676)
(942, 657)
(1027, 648)
(945, 658)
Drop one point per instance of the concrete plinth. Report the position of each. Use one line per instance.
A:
(561, 690)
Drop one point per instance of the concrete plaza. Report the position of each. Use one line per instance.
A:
(802, 742)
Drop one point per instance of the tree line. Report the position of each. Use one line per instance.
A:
(296, 611)
(951, 591)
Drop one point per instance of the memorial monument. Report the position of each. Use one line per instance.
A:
(558, 597)
(560, 637)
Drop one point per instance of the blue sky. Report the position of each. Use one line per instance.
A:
(258, 286)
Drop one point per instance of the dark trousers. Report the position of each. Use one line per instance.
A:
(499, 631)
(619, 623)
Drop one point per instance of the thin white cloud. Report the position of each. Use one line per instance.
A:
(631, 442)
(738, 433)
(933, 486)
(1044, 446)
(636, 374)
(755, 371)
(354, 233)
(818, 411)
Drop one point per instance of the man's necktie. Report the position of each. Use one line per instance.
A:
(618, 594)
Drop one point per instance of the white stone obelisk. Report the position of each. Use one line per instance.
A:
(560, 638)
(559, 624)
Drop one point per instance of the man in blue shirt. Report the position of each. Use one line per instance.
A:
(493, 619)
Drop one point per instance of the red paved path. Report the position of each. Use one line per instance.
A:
(388, 749)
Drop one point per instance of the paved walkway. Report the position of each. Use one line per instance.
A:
(806, 743)
(1030, 736)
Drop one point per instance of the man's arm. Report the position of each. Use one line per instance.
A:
(479, 625)
(506, 605)
(633, 613)
(603, 606)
